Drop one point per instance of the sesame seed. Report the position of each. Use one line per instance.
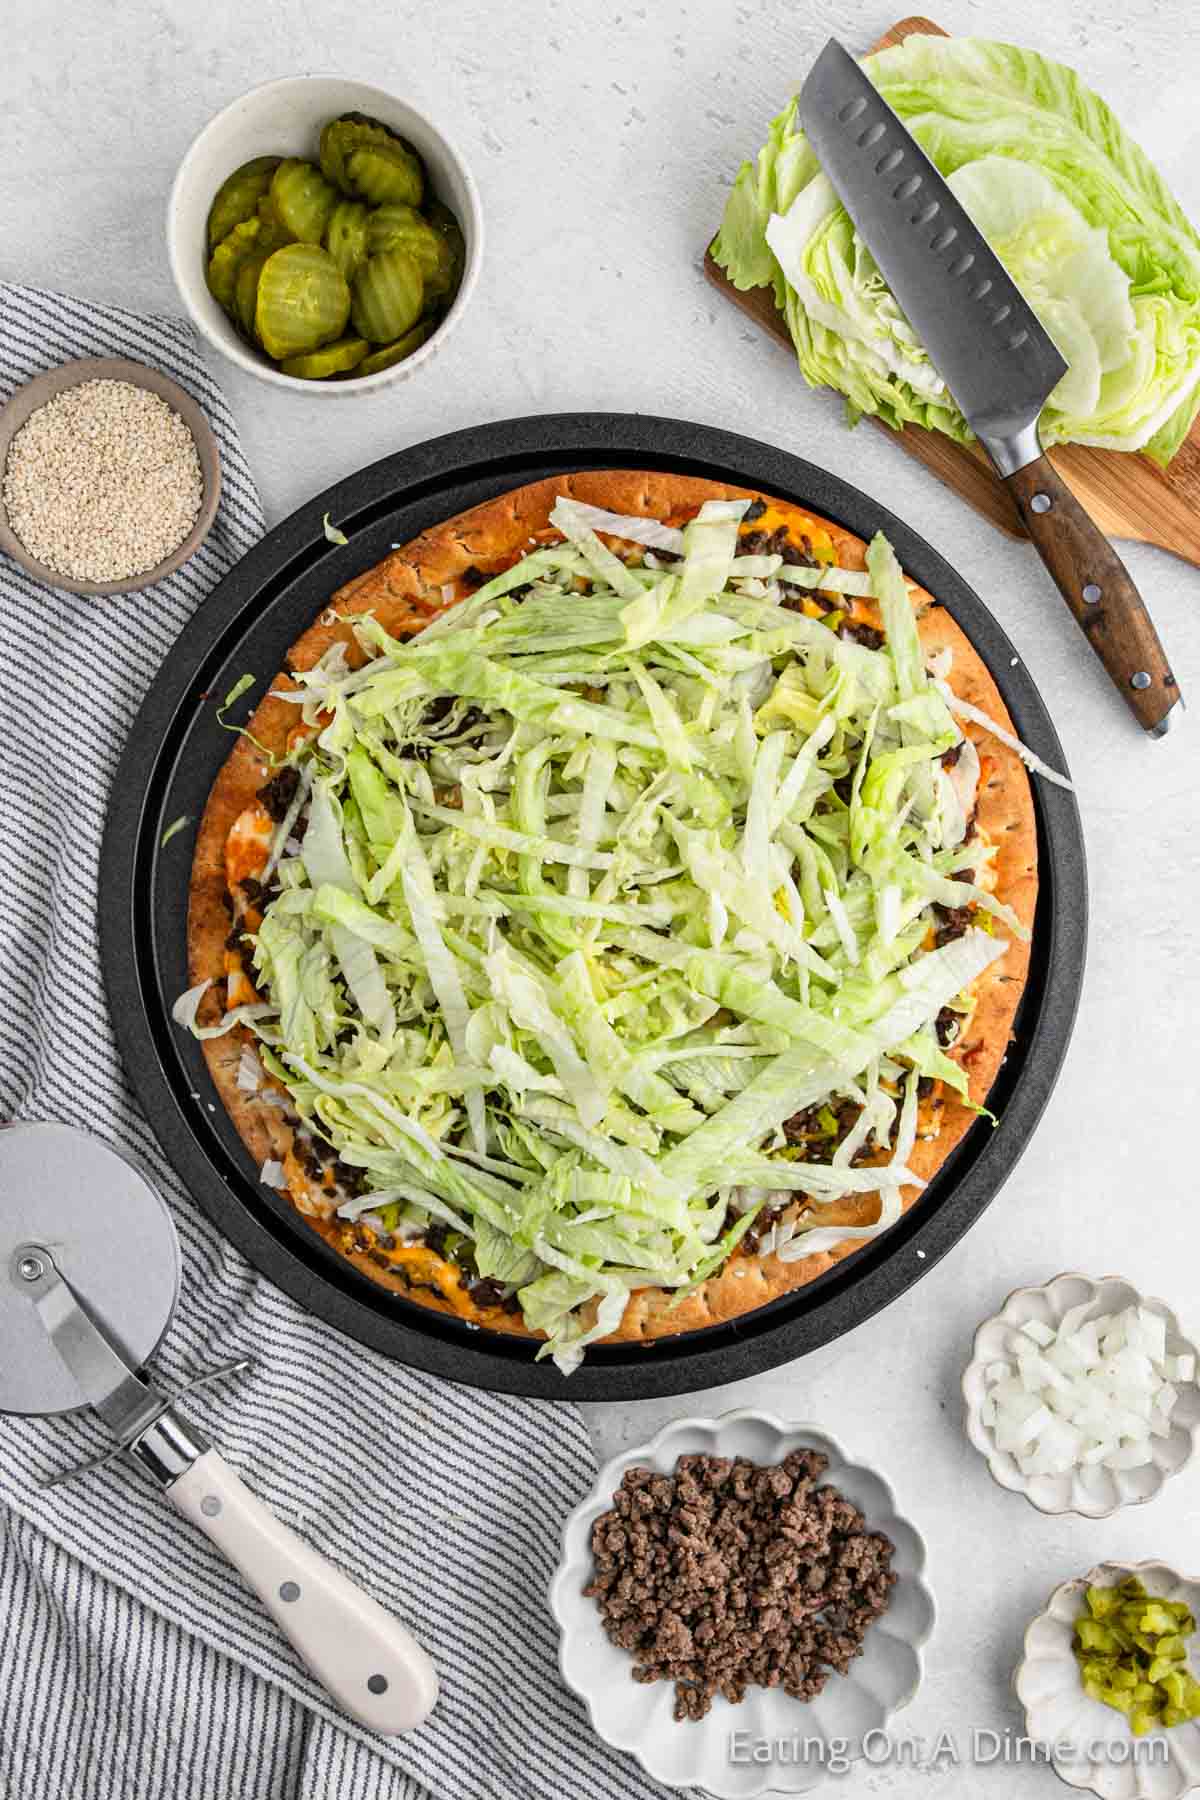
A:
(103, 482)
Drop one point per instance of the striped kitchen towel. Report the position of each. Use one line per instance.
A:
(132, 1660)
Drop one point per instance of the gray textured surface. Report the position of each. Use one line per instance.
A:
(603, 142)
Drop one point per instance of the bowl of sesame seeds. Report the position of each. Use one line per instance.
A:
(109, 476)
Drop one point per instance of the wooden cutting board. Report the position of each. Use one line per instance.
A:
(1126, 494)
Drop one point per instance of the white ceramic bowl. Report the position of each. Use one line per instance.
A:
(1094, 1492)
(1094, 1747)
(638, 1717)
(286, 117)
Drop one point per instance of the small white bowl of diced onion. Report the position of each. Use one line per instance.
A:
(1082, 1395)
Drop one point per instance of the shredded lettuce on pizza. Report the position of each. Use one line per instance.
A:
(601, 928)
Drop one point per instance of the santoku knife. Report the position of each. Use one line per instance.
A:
(995, 357)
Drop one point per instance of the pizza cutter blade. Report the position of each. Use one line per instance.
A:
(89, 1276)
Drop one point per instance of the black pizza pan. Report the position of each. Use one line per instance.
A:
(177, 746)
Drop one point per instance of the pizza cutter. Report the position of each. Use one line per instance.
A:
(80, 1313)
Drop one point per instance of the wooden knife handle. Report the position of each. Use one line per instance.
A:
(1099, 590)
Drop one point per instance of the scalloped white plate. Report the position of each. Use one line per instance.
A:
(1103, 1755)
(1096, 1492)
(638, 1718)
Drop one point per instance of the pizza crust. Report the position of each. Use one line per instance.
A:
(403, 593)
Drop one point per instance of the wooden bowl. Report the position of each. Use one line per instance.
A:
(53, 382)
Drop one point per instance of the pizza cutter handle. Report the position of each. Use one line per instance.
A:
(369, 1663)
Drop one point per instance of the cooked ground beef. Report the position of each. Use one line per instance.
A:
(755, 510)
(487, 1291)
(800, 554)
(307, 1157)
(778, 543)
(804, 1127)
(354, 1181)
(436, 710)
(795, 599)
(280, 791)
(726, 1575)
(801, 1125)
(953, 922)
(866, 635)
(754, 1234)
(947, 1025)
(951, 756)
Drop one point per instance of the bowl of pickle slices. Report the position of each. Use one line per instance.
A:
(324, 235)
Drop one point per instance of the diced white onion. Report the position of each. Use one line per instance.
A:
(271, 1174)
(1092, 1393)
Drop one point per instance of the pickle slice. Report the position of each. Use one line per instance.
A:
(303, 301)
(245, 292)
(238, 196)
(274, 234)
(396, 227)
(394, 353)
(443, 221)
(344, 134)
(227, 258)
(331, 359)
(347, 236)
(388, 296)
(303, 199)
(385, 172)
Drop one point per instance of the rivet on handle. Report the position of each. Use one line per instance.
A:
(1041, 503)
(1140, 680)
(1091, 593)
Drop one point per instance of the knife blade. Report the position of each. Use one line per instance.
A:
(990, 349)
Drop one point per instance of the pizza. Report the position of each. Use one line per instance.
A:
(615, 912)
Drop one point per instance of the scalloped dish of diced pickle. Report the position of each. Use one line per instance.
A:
(1132, 1651)
(338, 267)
